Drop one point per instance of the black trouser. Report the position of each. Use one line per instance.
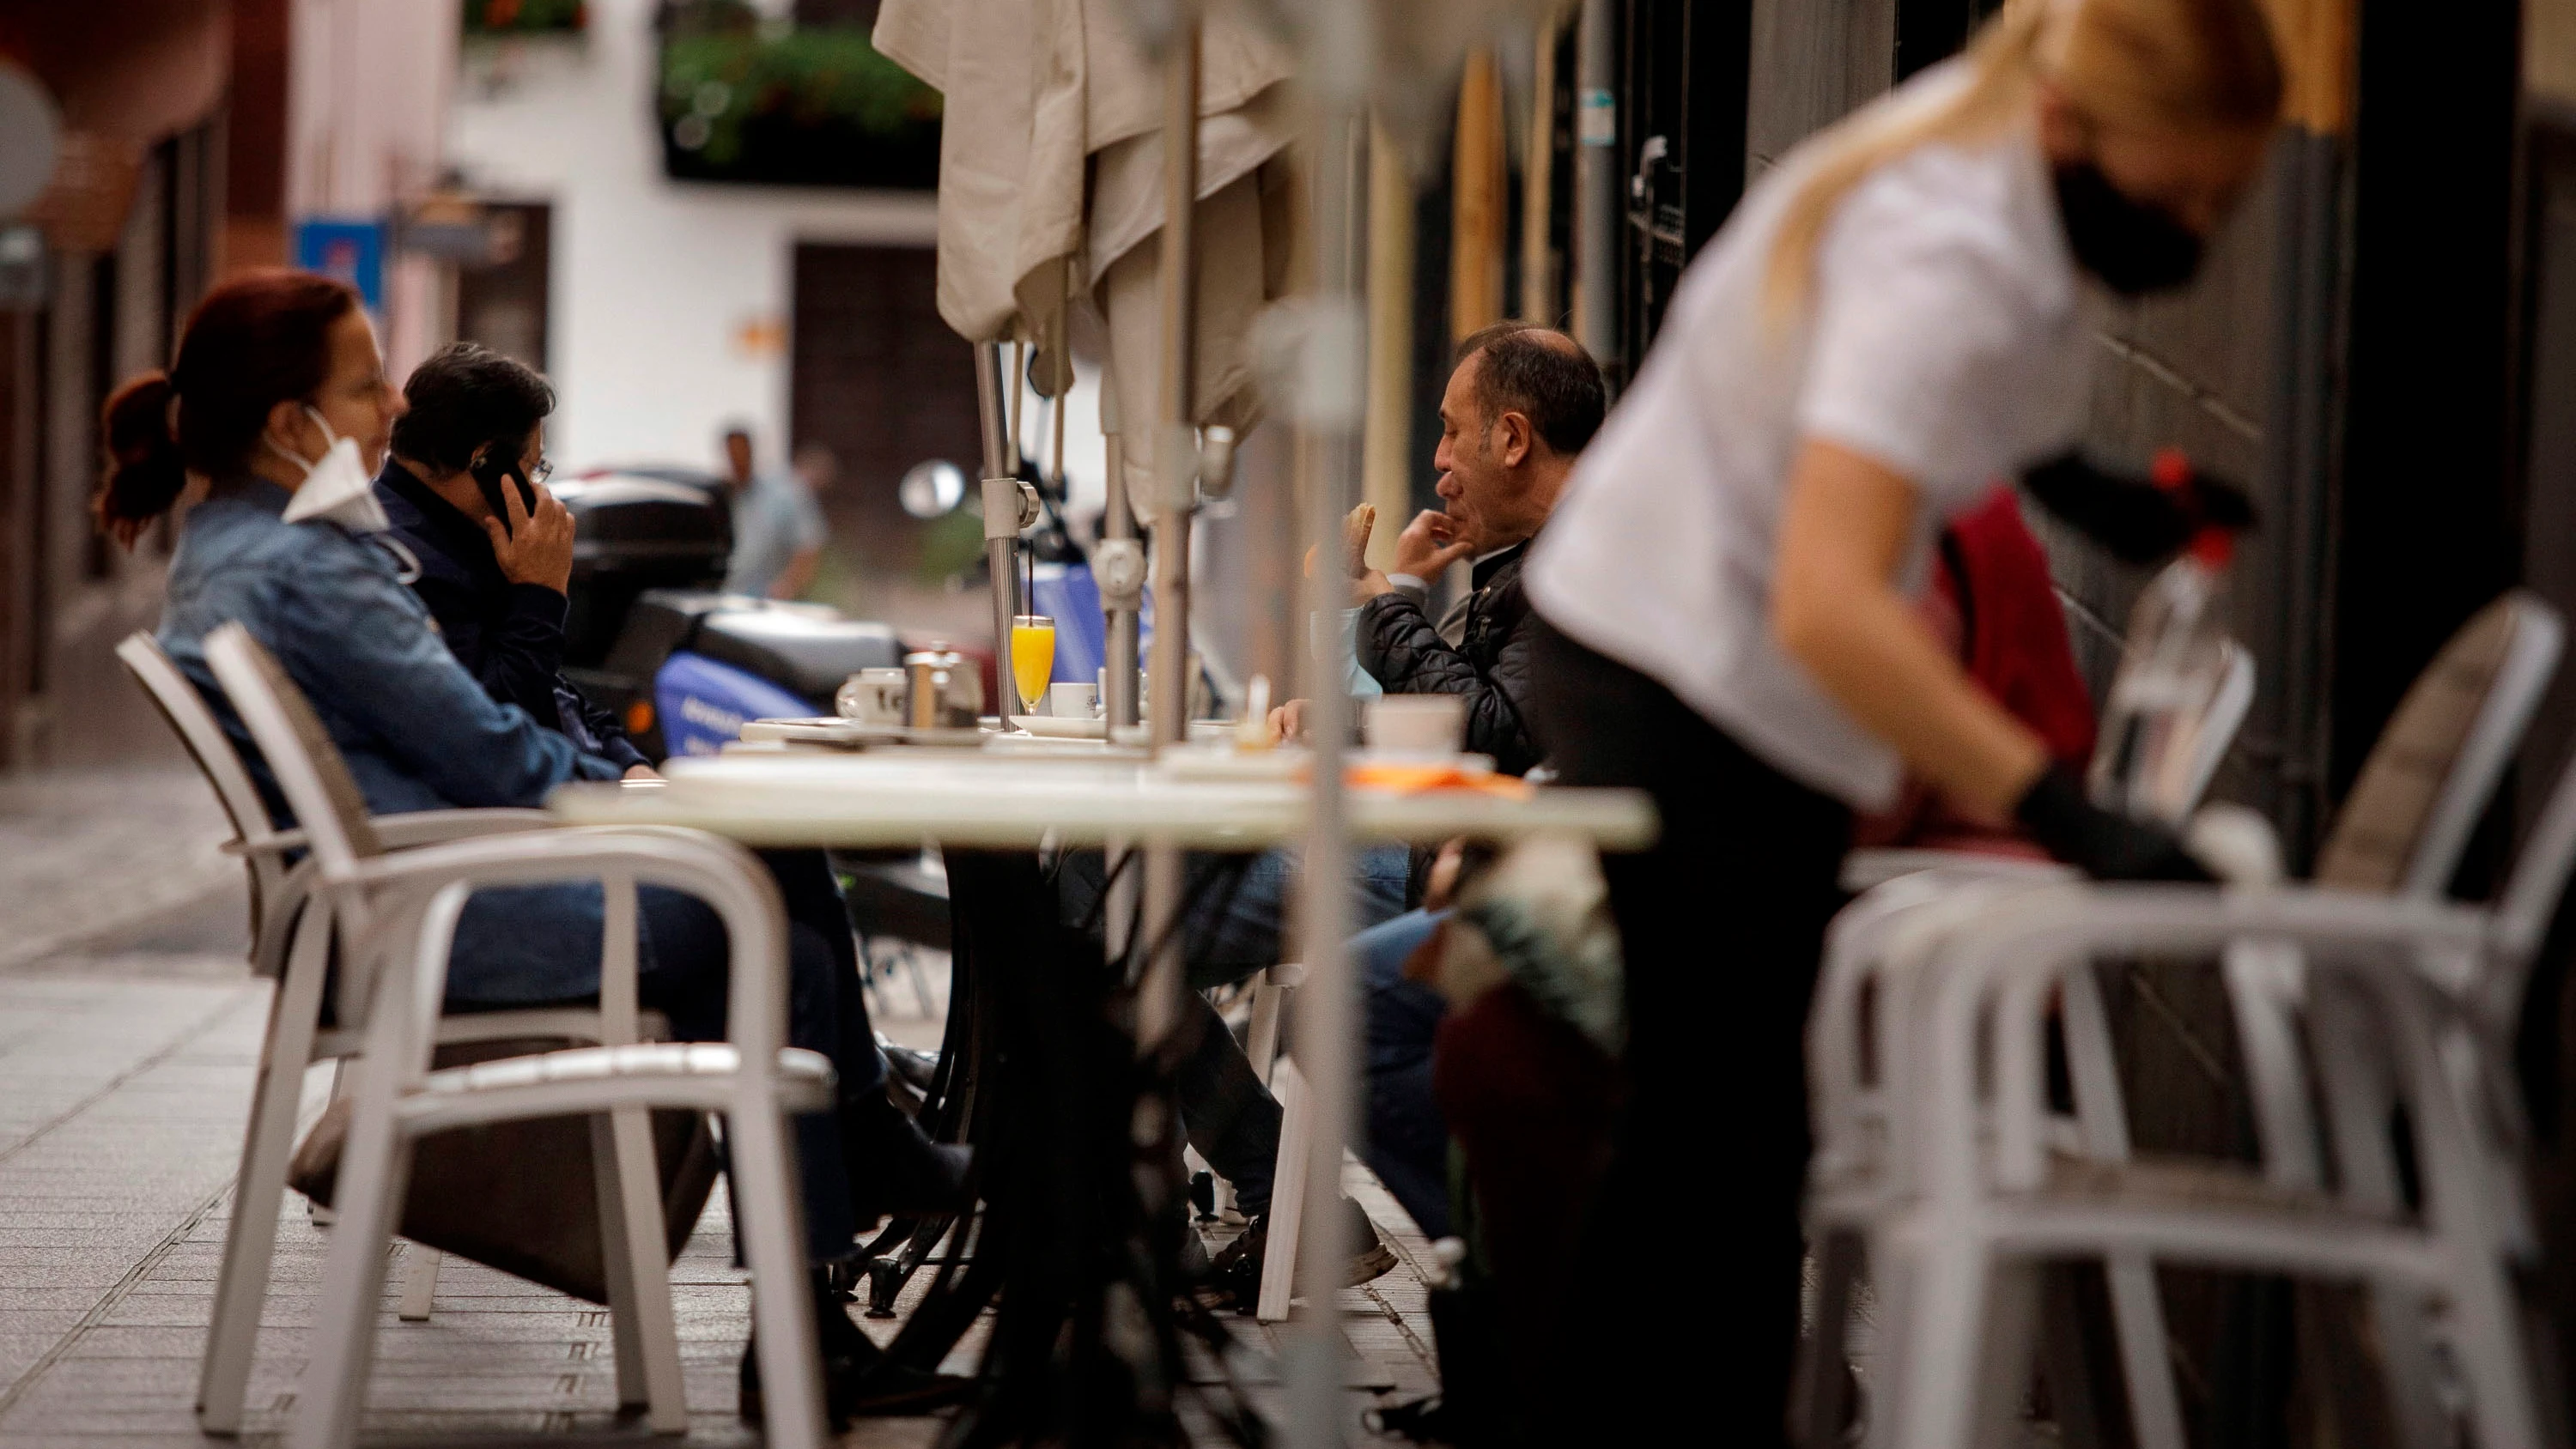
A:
(1722, 926)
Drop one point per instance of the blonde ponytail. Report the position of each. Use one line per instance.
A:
(2152, 64)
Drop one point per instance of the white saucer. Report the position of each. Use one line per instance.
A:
(1056, 727)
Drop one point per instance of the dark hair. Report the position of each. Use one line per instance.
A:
(1545, 376)
(256, 341)
(467, 395)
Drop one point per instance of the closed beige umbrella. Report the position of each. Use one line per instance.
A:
(1051, 158)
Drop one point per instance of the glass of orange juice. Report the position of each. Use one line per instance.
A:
(1032, 658)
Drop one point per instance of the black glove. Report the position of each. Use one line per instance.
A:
(2102, 843)
(2140, 521)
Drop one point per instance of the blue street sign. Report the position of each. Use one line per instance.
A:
(352, 251)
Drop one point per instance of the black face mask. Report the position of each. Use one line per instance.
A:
(2133, 247)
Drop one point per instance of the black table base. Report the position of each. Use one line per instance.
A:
(1078, 1169)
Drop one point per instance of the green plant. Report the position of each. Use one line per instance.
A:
(814, 106)
(809, 76)
(523, 17)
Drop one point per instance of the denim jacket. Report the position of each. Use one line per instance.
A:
(418, 731)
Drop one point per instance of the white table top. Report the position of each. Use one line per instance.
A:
(1011, 800)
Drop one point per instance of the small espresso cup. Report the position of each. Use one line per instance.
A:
(1428, 725)
(872, 696)
(1073, 699)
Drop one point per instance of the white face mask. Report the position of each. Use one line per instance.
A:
(337, 488)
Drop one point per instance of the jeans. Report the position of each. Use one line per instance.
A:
(681, 956)
(1408, 1143)
(1234, 925)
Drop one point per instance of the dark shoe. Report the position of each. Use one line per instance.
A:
(895, 1168)
(859, 1381)
(1235, 1273)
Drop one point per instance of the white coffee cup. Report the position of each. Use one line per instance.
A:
(872, 696)
(1427, 725)
(1073, 699)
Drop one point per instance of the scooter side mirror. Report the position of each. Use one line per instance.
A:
(932, 488)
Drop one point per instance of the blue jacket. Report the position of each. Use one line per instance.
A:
(418, 732)
(509, 636)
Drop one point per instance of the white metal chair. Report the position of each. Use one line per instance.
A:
(2403, 830)
(394, 915)
(2410, 1002)
(291, 945)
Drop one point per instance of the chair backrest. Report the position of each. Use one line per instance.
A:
(300, 755)
(2438, 762)
(185, 711)
(2539, 877)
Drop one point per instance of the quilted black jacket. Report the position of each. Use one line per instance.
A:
(1488, 662)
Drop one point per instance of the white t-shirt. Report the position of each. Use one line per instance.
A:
(1939, 336)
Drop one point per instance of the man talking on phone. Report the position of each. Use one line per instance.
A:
(463, 486)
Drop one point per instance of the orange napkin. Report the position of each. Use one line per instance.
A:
(1419, 779)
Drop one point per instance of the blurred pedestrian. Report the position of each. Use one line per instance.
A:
(778, 529)
(1888, 322)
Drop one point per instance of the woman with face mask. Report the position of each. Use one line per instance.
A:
(278, 402)
(1889, 323)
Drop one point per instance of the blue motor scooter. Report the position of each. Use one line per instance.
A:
(652, 636)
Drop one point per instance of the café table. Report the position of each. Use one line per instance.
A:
(1034, 1071)
(1006, 799)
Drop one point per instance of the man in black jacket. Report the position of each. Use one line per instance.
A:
(496, 582)
(1522, 402)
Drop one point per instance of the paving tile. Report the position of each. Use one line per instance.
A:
(120, 1121)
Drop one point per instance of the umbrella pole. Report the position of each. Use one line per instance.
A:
(1119, 565)
(1158, 996)
(1001, 514)
(1335, 70)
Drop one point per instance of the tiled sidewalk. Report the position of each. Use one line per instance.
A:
(86, 849)
(125, 1105)
(125, 1074)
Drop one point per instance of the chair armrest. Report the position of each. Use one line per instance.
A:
(432, 827)
(415, 896)
(1996, 972)
(1864, 869)
(406, 830)
(410, 828)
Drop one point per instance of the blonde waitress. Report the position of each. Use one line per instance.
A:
(1889, 323)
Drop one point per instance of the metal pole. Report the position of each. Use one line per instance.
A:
(1158, 994)
(1119, 564)
(1596, 183)
(1001, 512)
(1330, 408)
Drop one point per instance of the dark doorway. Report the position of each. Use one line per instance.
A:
(2426, 526)
(880, 380)
(503, 304)
(1681, 129)
(1931, 31)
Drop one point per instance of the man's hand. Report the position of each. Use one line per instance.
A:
(642, 772)
(533, 549)
(1430, 544)
(1288, 723)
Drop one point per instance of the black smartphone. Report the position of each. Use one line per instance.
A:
(488, 475)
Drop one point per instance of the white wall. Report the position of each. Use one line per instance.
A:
(370, 84)
(670, 301)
